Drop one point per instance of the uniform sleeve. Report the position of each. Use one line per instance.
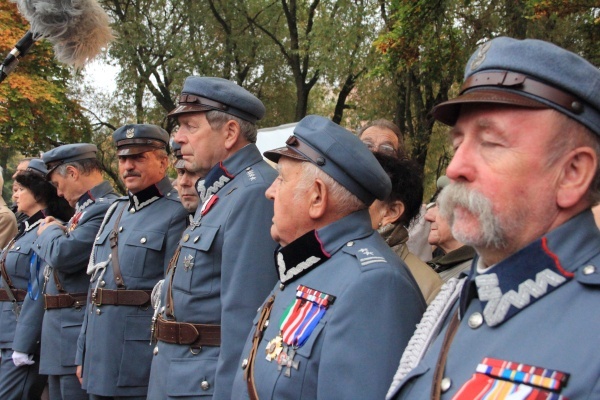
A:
(69, 253)
(8, 227)
(366, 336)
(28, 331)
(247, 277)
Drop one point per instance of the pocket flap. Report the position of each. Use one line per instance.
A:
(201, 238)
(147, 239)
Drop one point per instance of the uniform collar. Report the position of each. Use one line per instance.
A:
(149, 195)
(534, 271)
(31, 222)
(315, 247)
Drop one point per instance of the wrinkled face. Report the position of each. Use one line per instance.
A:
(65, 187)
(25, 201)
(201, 146)
(439, 233)
(186, 188)
(380, 139)
(139, 171)
(290, 208)
(503, 194)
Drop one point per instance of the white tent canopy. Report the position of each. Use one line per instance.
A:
(272, 138)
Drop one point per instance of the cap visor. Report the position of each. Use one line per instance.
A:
(184, 109)
(132, 150)
(448, 111)
(275, 154)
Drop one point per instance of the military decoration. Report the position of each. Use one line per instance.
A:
(274, 348)
(188, 262)
(208, 204)
(74, 221)
(298, 322)
(502, 379)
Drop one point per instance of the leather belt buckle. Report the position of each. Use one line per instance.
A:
(97, 298)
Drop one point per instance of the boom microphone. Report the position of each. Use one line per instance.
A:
(78, 30)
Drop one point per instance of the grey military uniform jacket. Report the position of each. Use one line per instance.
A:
(68, 255)
(529, 325)
(352, 351)
(18, 261)
(223, 273)
(113, 345)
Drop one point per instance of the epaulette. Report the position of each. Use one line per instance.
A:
(173, 195)
(251, 176)
(589, 273)
(366, 255)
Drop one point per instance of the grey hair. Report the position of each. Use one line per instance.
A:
(217, 119)
(344, 201)
(386, 124)
(85, 166)
(569, 135)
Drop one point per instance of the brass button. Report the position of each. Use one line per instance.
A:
(445, 384)
(244, 363)
(205, 385)
(18, 248)
(132, 210)
(186, 237)
(475, 320)
(588, 270)
(143, 240)
(281, 286)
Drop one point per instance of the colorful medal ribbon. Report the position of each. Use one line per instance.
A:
(302, 316)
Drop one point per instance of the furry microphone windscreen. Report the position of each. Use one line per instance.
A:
(78, 29)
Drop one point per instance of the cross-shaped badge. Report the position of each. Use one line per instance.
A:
(188, 262)
(286, 358)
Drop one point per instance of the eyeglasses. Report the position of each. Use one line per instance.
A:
(382, 148)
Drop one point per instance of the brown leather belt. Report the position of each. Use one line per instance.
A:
(194, 335)
(20, 294)
(64, 300)
(121, 297)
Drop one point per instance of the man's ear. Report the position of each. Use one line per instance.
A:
(318, 197)
(578, 171)
(232, 132)
(392, 212)
(72, 172)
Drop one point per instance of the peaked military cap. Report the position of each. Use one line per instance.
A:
(340, 154)
(176, 150)
(67, 153)
(37, 167)
(528, 73)
(202, 93)
(139, 138)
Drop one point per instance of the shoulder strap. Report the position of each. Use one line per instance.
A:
(114, 248)
(436, 391)
(3, 267)
(258, 334)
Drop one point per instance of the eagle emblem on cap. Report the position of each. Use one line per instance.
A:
(129, 133)
(480, 57)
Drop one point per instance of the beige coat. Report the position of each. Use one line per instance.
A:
(428, 280)
(8, 224)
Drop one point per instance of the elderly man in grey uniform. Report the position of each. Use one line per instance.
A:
(346, 305)
(222, 271)
(135, 241)
(526, 128)
(77, 175)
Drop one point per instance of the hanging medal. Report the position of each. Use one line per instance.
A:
(298, 322)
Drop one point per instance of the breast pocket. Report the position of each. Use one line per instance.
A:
(142, 255)
(17, 263)
(196, 264)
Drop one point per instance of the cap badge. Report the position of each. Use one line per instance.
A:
(480, 57)
(130, 132)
